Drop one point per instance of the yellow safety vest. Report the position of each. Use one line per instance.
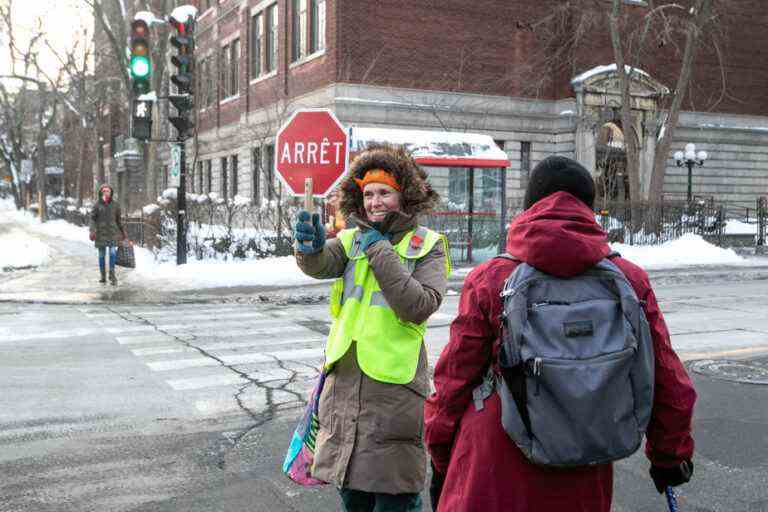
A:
(387, 347)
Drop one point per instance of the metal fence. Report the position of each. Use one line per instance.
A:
(656, 223)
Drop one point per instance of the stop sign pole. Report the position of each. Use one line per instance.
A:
(312, 154)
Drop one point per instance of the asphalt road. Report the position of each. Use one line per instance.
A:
(161, 407)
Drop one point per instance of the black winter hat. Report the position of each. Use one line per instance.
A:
(560, 174)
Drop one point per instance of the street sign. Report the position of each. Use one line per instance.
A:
(27, 167)
(312, 145)
(175, 170)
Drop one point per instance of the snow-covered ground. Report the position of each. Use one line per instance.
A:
(18, 250)
(22, 249)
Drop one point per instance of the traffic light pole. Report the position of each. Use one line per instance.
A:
(181, 207)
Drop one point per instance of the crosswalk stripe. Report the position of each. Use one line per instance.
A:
(210, 381)
(178, 364)
(255, 324)
(154, 338)
(220, 346)
(74, 333)
(165, 312)
(150, 338)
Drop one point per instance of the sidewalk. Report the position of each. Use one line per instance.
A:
(71, 277)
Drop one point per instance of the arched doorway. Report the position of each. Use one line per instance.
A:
(611, 180)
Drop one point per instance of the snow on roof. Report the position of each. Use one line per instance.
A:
(183, 12)
(435, 148)
(148, 18)
(605, 69)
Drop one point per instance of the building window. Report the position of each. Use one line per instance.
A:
(317, 19)
(234, 67)
(223, 74)
(209, 176)
(210, 75)
(200, 189)
(525, 161)
(224, 178)
(190, 181)
(234, 176)
(298, 29)
(269, 173)
(255, 172)
(256, 34)
(270, 47)
(165, 177)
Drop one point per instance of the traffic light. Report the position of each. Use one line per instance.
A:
(183, 79)
(140, 64)
(141, 119)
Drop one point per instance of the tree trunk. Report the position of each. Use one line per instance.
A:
(81, 168)
(627, 126)
(692, 37)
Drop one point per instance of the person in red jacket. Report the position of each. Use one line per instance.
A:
(475, 462)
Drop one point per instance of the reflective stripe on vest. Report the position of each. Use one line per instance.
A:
(387, 347)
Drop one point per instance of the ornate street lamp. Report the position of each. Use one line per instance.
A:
(690, 158)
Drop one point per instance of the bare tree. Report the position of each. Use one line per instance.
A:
(564, 38)
(26, 115)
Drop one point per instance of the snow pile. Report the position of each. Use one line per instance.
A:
(688, 250)
(281, 271)
(20, 250)
(150, 209)
(737, 227)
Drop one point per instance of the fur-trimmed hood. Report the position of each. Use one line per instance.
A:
(418, 196)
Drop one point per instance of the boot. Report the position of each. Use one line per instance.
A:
(103, 277)
(112, 277)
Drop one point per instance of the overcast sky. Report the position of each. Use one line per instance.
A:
(62, 21)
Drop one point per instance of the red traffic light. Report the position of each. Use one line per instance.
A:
(139, 29)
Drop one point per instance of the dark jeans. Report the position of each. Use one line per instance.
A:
(361, 501)
(112, 257)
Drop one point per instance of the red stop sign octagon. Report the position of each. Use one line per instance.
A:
(312, 144)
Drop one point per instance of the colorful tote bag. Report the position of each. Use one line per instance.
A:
(301, 452)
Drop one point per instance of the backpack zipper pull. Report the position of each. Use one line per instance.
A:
(534, 367)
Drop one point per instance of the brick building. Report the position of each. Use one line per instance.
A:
(462, 67)
(456, 66)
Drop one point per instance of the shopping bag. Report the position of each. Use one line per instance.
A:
(301, 452)
(125, 256)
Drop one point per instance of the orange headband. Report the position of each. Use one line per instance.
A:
(378, 176)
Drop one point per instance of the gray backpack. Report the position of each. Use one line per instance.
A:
(577, 367)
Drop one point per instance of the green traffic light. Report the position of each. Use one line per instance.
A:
(140, 67)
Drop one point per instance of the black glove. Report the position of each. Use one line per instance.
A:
(435, 486)
(674, 476)
(305, 232)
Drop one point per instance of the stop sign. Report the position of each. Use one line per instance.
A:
(312, 144)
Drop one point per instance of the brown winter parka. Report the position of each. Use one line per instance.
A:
(371, 432)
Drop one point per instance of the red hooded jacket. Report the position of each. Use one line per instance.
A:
(485, 469)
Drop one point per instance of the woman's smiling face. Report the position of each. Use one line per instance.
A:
(380, 199)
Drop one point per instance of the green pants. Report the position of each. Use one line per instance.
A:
(361, 501)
